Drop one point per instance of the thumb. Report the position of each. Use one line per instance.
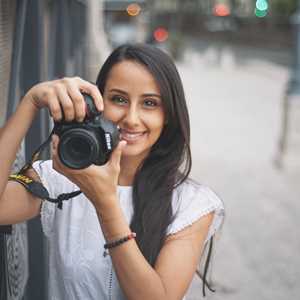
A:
(116, 155)
(54, 143)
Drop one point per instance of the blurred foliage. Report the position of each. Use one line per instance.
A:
(283, 7)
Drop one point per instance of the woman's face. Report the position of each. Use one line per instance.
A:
(132, 100)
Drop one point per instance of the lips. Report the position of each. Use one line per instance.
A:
(131, 136)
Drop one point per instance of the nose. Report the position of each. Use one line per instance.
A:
(132, 118)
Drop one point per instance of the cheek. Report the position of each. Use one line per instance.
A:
(112, 113)
(156, 123)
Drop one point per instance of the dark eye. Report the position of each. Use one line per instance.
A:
(150, 103)
(119, 100)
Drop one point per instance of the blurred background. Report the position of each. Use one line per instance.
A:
(239, 62)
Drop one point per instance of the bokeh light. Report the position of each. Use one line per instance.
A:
(262, 5)
(160, 34)
(260, 13)
(221, 10)
(261, 8)
(133, 9)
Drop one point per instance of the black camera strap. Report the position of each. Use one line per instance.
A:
(37, 188)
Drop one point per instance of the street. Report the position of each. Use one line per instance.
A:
(235, 109)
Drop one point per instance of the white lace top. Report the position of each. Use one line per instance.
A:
(77, 268)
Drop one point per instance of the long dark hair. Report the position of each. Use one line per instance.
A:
(169, 161)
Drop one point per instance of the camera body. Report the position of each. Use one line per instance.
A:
(89, 142)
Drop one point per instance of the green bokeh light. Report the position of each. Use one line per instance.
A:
(260, 13)
(262, 5)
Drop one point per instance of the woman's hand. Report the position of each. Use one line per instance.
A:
(98, 183)
(63, 97)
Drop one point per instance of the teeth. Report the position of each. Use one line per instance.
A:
(130, 136)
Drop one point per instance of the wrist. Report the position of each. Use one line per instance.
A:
(103, 201)
(113, 244)
(28, 99)
(113, 222)
(108, 208)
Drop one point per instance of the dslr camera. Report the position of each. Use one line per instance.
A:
(89, 142)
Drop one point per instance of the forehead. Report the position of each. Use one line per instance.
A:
(131, 75)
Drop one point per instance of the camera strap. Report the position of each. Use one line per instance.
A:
(35, 187)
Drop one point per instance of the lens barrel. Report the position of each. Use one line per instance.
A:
(89, 142)
(78, 148)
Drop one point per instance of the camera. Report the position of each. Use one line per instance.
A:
(89, 142)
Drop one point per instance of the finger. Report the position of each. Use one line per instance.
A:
(54, 145)
(54, 106)
(66, 104)
(78, 102)
(54, 141)
(92, 90)
(117, 153)
(57, 164)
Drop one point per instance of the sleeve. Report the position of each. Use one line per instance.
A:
(56, 184)
(190, 202)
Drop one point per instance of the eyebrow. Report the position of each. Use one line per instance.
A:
(144, 95)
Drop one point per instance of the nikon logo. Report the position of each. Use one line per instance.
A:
(108, 141)
(23, 178)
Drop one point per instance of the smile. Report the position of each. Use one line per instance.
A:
(131, 136)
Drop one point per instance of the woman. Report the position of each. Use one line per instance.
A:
(140, 204)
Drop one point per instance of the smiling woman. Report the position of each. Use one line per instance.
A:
(140, 206)
(132, 100)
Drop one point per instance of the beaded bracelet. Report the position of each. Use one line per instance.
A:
(118, 242)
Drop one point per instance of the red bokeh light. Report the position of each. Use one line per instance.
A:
(221, 10)
(161, 34)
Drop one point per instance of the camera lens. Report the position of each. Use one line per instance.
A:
(78, 148)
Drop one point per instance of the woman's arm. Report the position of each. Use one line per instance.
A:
(11, 136)
(61, 97)
(174, 268)
(16, 204)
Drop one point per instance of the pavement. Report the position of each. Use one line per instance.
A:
(235, 108)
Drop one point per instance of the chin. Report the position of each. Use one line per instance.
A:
(130, 151)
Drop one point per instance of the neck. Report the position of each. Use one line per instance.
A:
(129, 167)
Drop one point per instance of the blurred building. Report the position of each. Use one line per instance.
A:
(125, 21)
(223, 20)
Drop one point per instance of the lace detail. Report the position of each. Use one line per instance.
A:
(214, 227)
(56, 184)
(47, 217)
(193, 201)
(43, 169)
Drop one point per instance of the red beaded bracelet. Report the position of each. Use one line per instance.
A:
(118, 242)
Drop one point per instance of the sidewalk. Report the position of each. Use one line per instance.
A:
(235, 120)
